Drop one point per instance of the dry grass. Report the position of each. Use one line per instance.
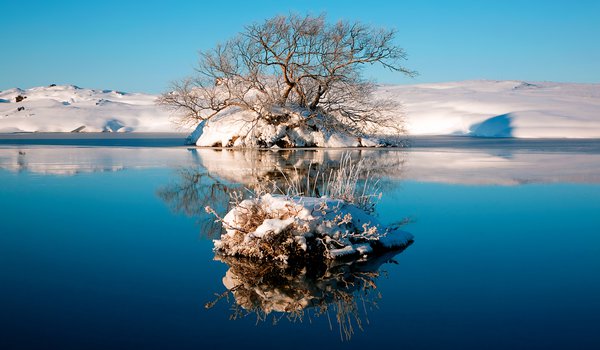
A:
(351, 182)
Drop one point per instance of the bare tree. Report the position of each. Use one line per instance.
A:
(294, 63)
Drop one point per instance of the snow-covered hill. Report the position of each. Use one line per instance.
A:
(500, 108)
(66, 108)
(477, 108)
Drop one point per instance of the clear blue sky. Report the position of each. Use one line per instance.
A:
(143, 45)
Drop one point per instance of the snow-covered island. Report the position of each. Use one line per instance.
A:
(470, 108)
(284, 228)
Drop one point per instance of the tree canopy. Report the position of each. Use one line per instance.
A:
(299, 63)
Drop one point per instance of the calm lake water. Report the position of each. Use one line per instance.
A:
(109, 247)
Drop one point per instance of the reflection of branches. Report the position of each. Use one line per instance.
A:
(343, 292)
(195, 190)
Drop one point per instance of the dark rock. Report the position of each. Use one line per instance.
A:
(283, 143)
(20, 109)
(20, 98)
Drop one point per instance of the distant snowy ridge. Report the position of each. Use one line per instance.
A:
(68, 108)
(476, 108)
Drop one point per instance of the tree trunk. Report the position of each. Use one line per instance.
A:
(286, 93)
(317, 99)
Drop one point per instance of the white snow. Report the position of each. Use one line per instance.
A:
(478, 108)
(272, 226)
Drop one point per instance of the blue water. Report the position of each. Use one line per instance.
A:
(99, 260)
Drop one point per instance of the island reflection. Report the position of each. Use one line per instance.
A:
(342, 291)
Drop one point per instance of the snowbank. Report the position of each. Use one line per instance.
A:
(274, 227)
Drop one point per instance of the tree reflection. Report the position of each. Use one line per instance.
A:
(194, 190)
(223, 171)
(343, 292)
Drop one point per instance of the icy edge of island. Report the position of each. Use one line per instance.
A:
(294, 228)
(242, 129)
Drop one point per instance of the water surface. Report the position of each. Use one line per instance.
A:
(110, 248)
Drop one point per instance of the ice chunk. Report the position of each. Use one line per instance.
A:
(395, 239)
(337, 253)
